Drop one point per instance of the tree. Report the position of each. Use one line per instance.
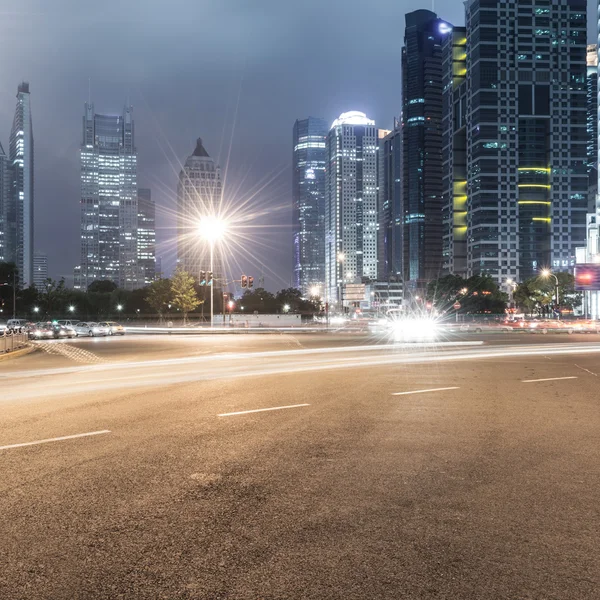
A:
(102, 286)
(538, 294)
(53, 296)
(158, 296)
(476, 295)
(259, 300)
(183, 293)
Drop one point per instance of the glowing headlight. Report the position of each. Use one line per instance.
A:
(408, 330)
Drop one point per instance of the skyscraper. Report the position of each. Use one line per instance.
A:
(5, 183)
(109, 205)
(422, 141)
(454, 152)
(198, 195)
(20, 212)
(389, 264)
(524, 197)
(146, 235)
(351, 204)
(40, 270)
(592, 125)
(308, 192)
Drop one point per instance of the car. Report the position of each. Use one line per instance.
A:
(16, 324)
(61, 331)
(113, 327)
(38, 331)
(90, 328)
(67, 322)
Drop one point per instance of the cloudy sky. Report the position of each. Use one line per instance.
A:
(235, 72)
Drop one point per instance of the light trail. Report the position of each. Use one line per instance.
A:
(77, 380)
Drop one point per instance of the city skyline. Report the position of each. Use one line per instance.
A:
(169, 123)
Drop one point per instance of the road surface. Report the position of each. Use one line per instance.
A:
(313, 469)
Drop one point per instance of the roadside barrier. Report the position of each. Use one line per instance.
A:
(12, 341)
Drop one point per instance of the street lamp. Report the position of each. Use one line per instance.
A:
(548, 273)
(71, 309)
(36, 309)
(212, 229)
(286, 308)
(119, 307)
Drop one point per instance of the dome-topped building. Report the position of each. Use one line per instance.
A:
(198, 194)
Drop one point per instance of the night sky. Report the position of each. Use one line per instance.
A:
(235, 72)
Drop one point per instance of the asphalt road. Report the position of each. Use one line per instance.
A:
(446, 472)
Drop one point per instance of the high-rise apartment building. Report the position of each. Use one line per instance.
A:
(199, 194)
(146, 235)
(422, 142)
(389, 264)
(592, 125)
(109, 204)
(308, 193)
(523, 196)
(40, 270)
(19, 226)
(351, 205)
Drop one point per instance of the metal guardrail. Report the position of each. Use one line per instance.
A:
(11, 342)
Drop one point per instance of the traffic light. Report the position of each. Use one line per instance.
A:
(244, 281)
(209, 277)
(250, 282)
(202, 277)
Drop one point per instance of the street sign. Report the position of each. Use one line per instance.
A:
(457, 305)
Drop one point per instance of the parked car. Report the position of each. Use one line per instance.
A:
(113, 327)
(67, 322)
(16, 324)
(90, 328)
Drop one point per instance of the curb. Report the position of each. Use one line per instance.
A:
(17, 353)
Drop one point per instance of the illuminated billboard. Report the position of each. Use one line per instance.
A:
(587, 278)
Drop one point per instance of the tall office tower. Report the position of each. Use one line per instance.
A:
(389, 241)
(20, 151)
(5, 183)
(308, 193)
(146, 235)
(40, 270)
(351, 204)
(454, 152)
(109, 206)
(199, 194)
(592, 125)
(527, 176)
(422, 141)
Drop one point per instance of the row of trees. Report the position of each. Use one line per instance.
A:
(172, 298)
(482, 295)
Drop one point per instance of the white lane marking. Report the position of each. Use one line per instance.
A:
(587, 370)
(425, 391)
(56, 439)
(257, 410)
(548, 379)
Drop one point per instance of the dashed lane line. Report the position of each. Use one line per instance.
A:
(547, 379)
(56, 439)
(425, 391)
(257, 410)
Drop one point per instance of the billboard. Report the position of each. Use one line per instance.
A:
(587, 277)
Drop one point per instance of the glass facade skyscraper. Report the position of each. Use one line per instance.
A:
(199, 193)
(351, 218)
(308, 192)
(422, 148)
(5, 182)
(146, 235)
(109, 204)
(19, 225)
(389, 265)
(592, 125)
